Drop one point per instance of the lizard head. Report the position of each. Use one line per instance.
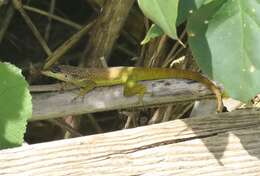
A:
(61, 73)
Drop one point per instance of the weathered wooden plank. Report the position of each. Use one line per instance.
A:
(57, 104)
(223, 144)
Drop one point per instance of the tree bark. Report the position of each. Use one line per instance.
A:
(106, 31)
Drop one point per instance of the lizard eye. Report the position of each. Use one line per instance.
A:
(56, 69)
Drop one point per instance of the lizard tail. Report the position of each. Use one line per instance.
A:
(196, 76)
(156, 73)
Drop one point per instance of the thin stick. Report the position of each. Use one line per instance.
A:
(103, 62)
(65, 126)
(18, 5)
(6, 21)
(48, 27)
(168, 59)
(95, 124)
(59, 52)
(54, 17)
(162, 42)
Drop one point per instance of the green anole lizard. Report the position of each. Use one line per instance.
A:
(89, 78)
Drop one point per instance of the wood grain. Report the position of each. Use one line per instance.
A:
(222, 144)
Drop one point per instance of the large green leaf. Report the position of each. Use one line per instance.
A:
(163, 13)
(15, 106)
(188, 7)
(225, 39)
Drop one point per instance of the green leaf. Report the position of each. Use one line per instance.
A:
(163, 13)
(225, 39)
(15, 106)
(188, 7)
(153, 32)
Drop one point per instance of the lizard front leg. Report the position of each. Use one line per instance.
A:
(88, 86)
(85, 87)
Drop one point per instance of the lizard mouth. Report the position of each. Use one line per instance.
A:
(48, 73)
(57, 75)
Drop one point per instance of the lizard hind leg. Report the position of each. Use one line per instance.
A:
(132, 88)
